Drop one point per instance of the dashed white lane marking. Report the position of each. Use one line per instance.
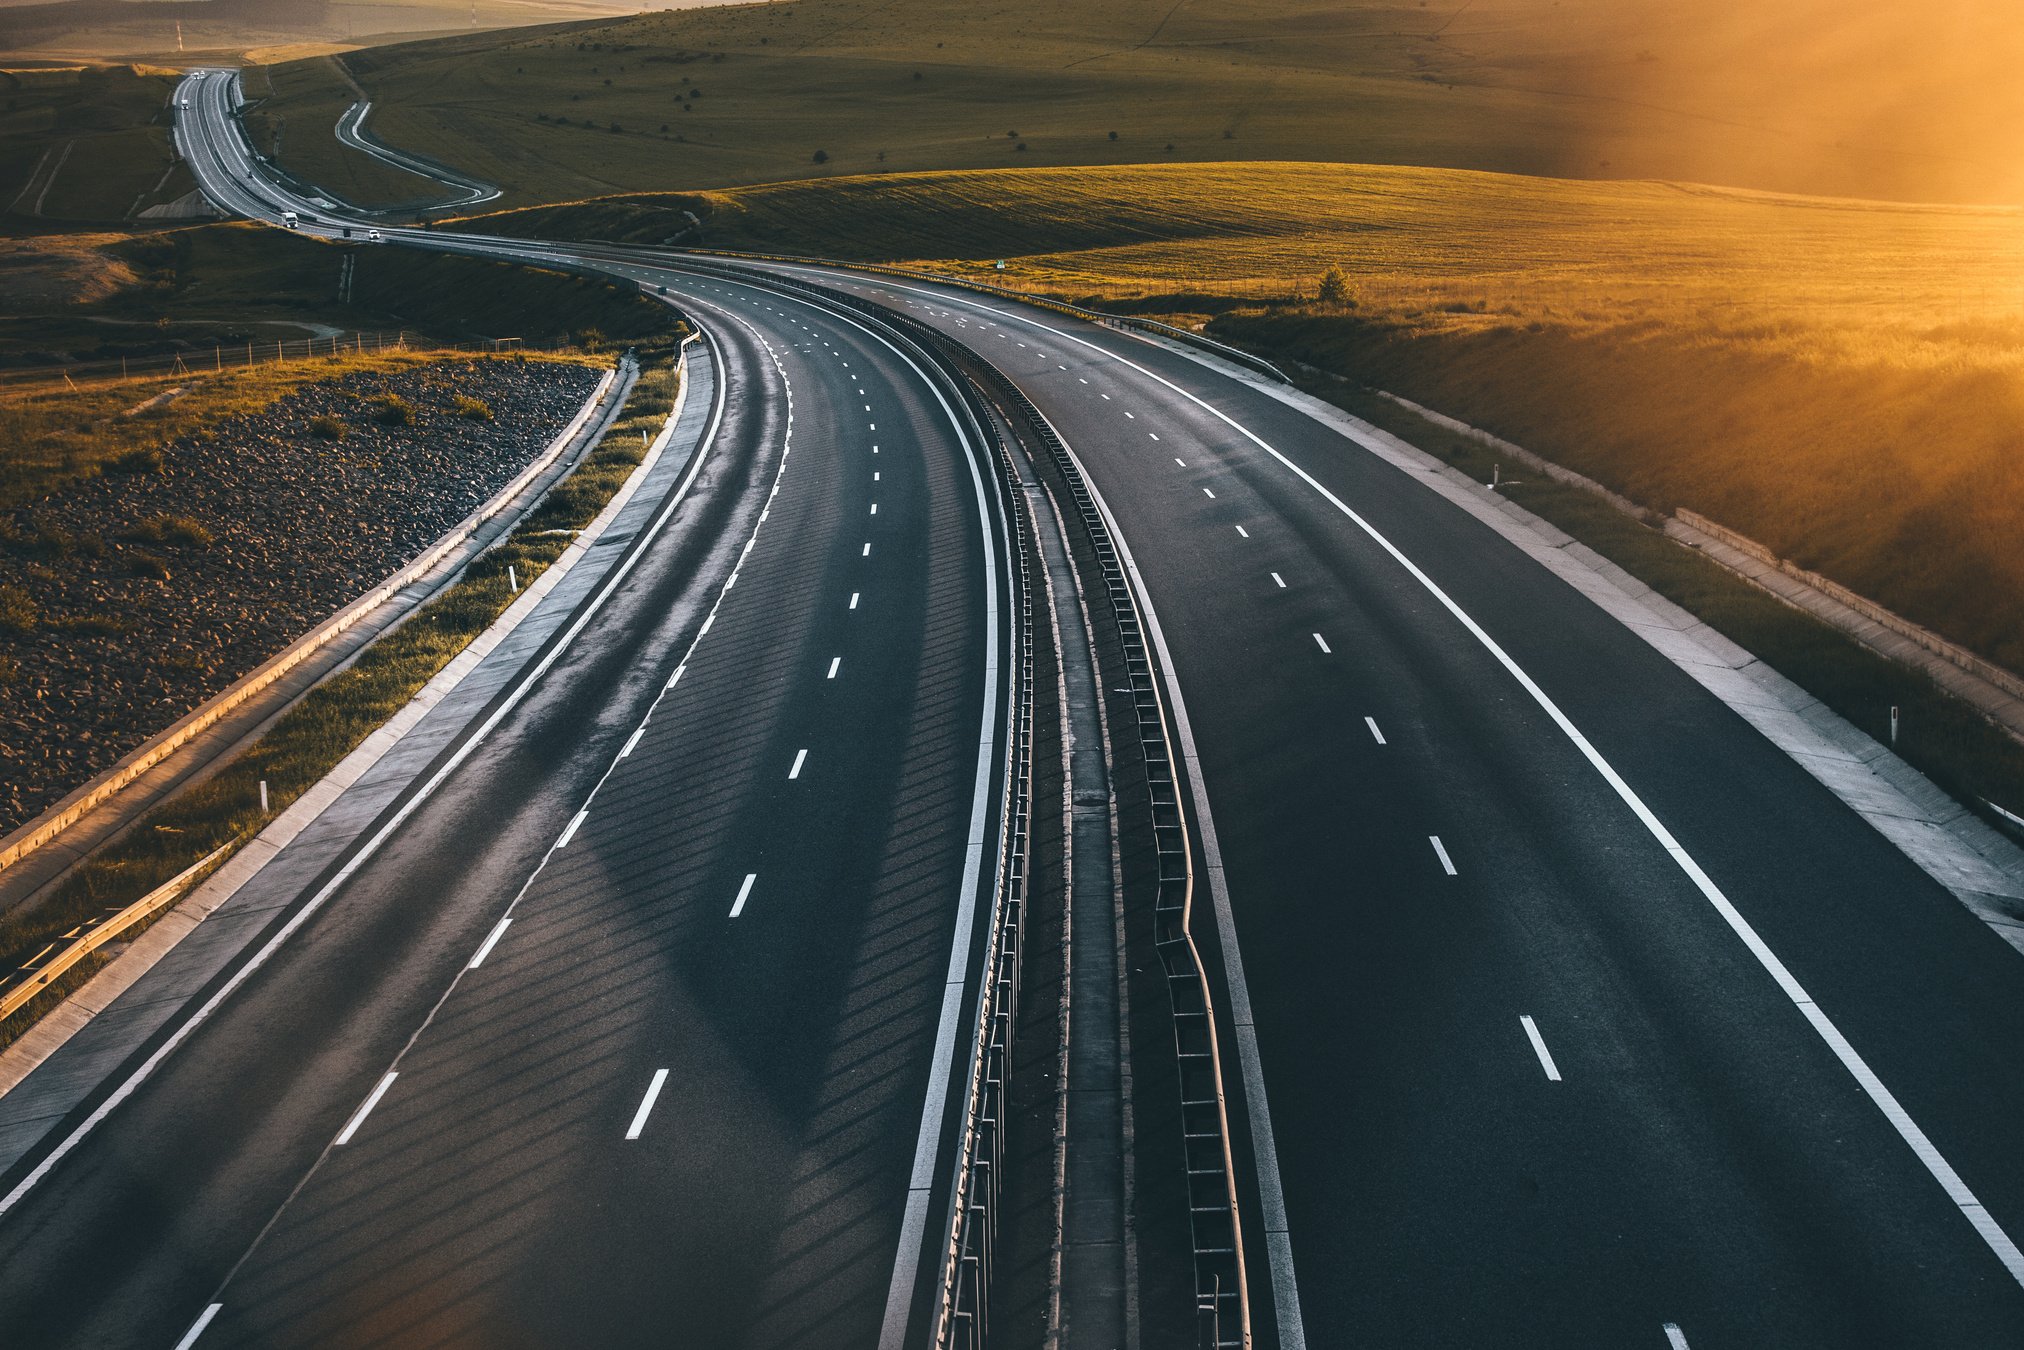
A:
(569, 830)
(491, 941)
(1182, 462)
(1154, 434)
(867, 551)
(731, 581)
(1080, 380)
(712, 616)
(874, 508)
(1244, 532)
(1675, 1338)
(365, 1109)
(867, 407)
(1104, 397)
(836, 661)
(677, 675)
(1370, 722)
(1279, 581)
(1539, 1049)
(1441, 851)
(1132, 415)
(1210, 492)
(874, 476)
(738, 905)
(197, 1327)
(639, 1120)
(633, 740)
(1321, 642)
(800, 758)
(853, 600)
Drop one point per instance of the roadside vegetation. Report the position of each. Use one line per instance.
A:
(1940, 736)
(216, 293)
(328, 723)
(1842, 380)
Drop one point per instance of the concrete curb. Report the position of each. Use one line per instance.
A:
(71, 1016)
(50, 826)
(1983, 870)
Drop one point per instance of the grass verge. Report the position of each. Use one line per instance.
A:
(1949, 742)
(332, 719)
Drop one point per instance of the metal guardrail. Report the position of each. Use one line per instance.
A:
(1222, 1304)
(41, 970)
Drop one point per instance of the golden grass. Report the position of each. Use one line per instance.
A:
(1842, 379)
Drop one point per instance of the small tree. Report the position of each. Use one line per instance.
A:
(1113, 135)
(822, 157)
(1335, 288)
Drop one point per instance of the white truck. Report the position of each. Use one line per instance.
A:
(289, 220)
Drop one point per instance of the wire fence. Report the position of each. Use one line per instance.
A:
(237, 355)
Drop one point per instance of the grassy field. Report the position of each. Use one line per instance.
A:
(108, 128)
(1843, 380)
(231, 30)
(330, 722)
(232, 284)
(1858, 97)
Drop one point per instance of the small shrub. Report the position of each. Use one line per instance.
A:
(472, 409)
(1020, 146)
(175, 531)
(822, 157)
(1113, 135)
(394, 411)
(136, 461)
(148, 565)
(10, 671)
(1335, 288)
(326, 427)
(18, 615)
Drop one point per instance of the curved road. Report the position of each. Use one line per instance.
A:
(635, 1024)
(1584, 1016)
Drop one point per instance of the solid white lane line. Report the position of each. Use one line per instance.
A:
(1321, 642)
(365, 1109)
(1539, 1048)
(738, 905)
(1279, 581)
(197, 1327)
(1241, 530)
(632, 741)
(1675, 1338)
(731, 581)
(569, 830)
(1370, 722)
(1441, 849)
(853, 599)
(491, 941)
(836, 661)
(639, 1120)
(800, 758)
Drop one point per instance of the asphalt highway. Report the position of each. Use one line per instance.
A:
(638, 1025)
(1583, 1015)
(1527, 1083)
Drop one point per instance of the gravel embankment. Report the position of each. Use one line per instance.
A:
(150, 592)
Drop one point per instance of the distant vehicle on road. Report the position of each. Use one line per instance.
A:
(289, 220)
(373, 237)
